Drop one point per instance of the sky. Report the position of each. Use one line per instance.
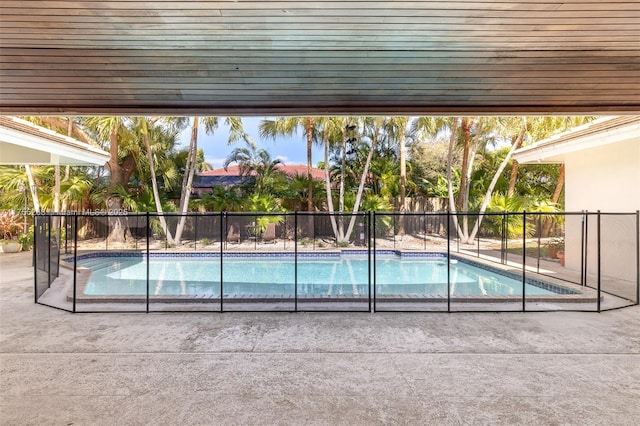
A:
(216, 149)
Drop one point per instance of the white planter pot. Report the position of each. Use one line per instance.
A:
(11, 246)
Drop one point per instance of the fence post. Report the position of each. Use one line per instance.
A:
(524, 260)
(394, 230)
(75, 259)
(637, 257)
(478, 218)
(49, 252)
(295, 260)
(148, 260)
(448, 261)
(598, 264)
(539, 237)
(502, 238)
(369, 255)
(375, 302)
(223, 228)
(195, 232)
(424, 223)
(582, 249)
(586, 247)
(505, 234)
(36, 224)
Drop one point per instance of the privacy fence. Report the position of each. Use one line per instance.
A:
(373, 261)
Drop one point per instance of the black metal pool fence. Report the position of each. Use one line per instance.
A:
(595, 254)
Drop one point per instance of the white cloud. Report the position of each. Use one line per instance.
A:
(283, 158)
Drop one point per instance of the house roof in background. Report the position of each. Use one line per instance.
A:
(22, 142)
(227, 181)
(603, 131)
(291, 170)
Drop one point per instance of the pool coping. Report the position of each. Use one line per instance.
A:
(575, 293)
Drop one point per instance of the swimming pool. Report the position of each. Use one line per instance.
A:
(275, 275)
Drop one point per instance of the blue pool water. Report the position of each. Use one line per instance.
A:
(256, 276)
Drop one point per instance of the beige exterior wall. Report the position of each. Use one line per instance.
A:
(605, 178)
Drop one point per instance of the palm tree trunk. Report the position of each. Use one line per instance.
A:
(156, 194)
(67, 172)
(472, 158)
(118, 229)
(56, 188)
(466, 133)
(327, 181)
(33, 188)
(187, 179)
(514, 172)
(343, 166)
(363, 179)
(310, 207)
(512, 178)
(403, 182)
(496, 176)
(452, 203)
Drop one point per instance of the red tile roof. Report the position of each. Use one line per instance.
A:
(290, 170)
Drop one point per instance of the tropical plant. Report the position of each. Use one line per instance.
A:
(376, 203)
(221, 199)
(264, 203)
(26, 238)
(257, 163)
(10, 225)
(294, 192)
(500, 203)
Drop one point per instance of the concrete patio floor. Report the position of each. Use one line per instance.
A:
(323, 368)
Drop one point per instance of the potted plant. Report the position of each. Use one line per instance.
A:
(555, 246)
(10, 228)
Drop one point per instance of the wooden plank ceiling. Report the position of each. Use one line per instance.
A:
(319, 57)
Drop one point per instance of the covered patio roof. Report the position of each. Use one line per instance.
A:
(313, 57)
(22, 142)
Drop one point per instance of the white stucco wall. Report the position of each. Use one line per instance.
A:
(605, 178)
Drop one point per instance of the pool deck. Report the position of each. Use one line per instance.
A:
(311, 368)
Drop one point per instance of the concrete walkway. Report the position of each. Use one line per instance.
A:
(59, 368)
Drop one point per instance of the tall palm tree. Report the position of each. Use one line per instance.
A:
(288, 126)
(211, 123)
(121, 141)
(148, 129)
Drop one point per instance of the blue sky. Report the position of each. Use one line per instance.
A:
(216, 149)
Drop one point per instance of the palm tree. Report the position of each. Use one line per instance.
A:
(397, 128)
(236, 132)
(148, 129)
(63, 125)
(114, 133)
(372, 128)
(258, 163)
(288, 126)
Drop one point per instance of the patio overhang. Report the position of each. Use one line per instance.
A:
(313, 57)
(606, 130)
(22, 142)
